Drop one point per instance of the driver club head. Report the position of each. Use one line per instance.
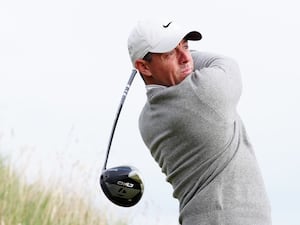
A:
(122, 185)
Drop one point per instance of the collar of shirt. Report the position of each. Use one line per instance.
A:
(153, 86)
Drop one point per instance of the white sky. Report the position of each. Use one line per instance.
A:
(64, 65)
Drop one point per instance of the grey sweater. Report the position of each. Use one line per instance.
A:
(196, 136)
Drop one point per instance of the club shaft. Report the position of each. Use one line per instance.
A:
(118, 114)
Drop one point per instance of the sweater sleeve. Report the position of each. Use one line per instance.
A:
(217, 81)
(205, 60)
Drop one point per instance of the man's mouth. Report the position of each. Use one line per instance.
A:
(186, 70)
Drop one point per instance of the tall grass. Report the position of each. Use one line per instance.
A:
(39, 204)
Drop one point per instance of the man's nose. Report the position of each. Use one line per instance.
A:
(182, 55)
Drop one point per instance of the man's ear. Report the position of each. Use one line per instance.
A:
(143, 67)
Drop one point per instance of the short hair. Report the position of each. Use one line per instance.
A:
(148, 57)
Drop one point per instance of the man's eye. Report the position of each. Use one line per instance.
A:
(170, 53)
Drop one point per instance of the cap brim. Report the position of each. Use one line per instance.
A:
(170, 41)
(193, 36)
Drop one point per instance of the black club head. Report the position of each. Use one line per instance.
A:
(122, 185)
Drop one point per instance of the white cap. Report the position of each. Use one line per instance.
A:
(157, 37)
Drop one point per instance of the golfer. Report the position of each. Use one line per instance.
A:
(191, 126)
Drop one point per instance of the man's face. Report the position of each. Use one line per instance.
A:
(172, 67)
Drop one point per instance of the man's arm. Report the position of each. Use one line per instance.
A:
(217, 81)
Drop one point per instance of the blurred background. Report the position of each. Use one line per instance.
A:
(63, 68)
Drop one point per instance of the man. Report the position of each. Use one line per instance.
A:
(192, 128)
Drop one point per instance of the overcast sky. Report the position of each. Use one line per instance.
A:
(64, 65)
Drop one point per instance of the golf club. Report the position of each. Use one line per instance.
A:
(123, 184)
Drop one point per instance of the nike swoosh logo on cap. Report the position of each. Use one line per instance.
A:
(165, 26)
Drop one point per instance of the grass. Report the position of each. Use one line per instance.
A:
(39, 204)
